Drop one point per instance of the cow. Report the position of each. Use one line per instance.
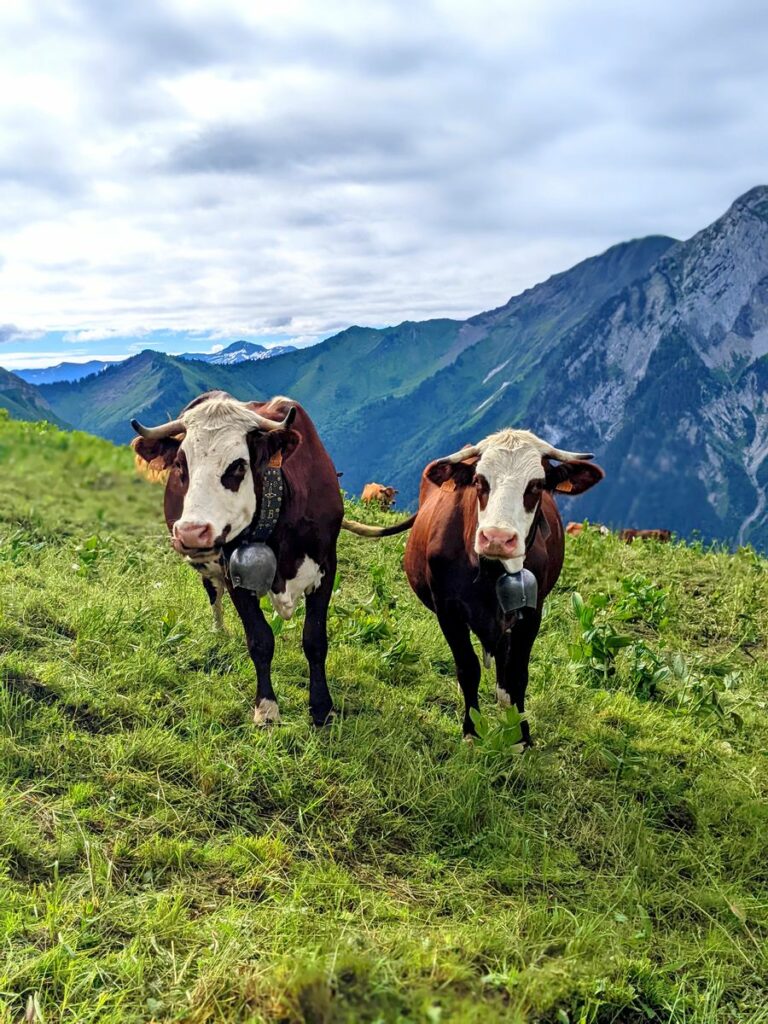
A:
(220, 458)
(384, 496)
(576, 529)
(662, 536)
(485, 511)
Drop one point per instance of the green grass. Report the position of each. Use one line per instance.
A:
(161, 860)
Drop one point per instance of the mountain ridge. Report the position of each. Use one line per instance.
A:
(654, 354)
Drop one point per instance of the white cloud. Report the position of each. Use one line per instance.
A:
(242, 170)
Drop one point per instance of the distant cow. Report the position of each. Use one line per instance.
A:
(384, 496)
(574, 529)
(486, 510)
(254, 471)
(628, 536)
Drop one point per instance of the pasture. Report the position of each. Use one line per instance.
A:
(161, 860)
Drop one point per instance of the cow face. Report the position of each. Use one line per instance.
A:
(509, 472)
(215, 466)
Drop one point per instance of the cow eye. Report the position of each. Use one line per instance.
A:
(180, 464)
(532, 494)
(233, 475)
(483, 489)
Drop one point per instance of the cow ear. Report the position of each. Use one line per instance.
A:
(160, 453)
(281, 444)
(572, 477)
(459, 472)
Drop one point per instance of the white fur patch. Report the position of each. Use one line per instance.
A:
(266, 713)
(503, 698)
(508, 465)
(307, 579)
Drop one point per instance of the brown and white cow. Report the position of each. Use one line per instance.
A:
(662, 536)
(486, 510)
(215, 454)
(384, 496)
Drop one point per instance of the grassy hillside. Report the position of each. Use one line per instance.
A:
(23, 401)
(162, 861)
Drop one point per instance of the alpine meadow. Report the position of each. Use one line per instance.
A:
(162, 860)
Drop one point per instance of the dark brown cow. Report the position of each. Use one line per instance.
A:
(483, 512)
(217, 455)
(384, 496)
(663, 536)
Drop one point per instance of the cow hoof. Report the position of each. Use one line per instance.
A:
(323, 719)
(469, 739)
(266, 712)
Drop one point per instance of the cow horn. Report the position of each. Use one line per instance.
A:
(169, 429)
(264, 423)
(563, 456)
(469, 452)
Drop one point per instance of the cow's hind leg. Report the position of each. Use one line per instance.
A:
(261, 647)
(456, 632)
(512, 660)
(315, 644)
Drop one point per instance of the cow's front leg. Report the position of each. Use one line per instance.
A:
(315, 643)
(214, 596)
(456, 632)
(513, 656)
(261, 647)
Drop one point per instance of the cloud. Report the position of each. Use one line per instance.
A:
(282, 170)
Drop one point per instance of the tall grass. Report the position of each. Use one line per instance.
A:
(161, 860)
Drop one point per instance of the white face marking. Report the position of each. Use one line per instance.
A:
(508, 471)
(209, 454)
(306, 580)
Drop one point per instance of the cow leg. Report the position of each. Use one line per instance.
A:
(512, 660)
(261, 647)
(214, 596)
(315, 643)
(456, 632)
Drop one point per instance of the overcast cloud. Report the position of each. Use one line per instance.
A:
(281, 170)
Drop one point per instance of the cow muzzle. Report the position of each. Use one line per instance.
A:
(493, 542)
(193, 537)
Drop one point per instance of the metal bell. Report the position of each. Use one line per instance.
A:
(517, 590)
(253, 567)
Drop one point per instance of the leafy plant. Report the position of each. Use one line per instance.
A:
(647, 672)
(641, 600)
(90, 552)
(503, 735)
(599, 642)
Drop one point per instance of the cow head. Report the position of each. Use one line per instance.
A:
(215, 453)
(510, 471)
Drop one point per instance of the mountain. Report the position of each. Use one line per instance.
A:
(62, 371)
(238, 352)
(23, 401)
(653, 354)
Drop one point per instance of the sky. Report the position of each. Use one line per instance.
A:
(178, 175)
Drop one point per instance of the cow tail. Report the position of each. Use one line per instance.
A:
(364, 530)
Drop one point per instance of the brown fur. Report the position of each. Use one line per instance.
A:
(308, 526)
(460, 588)
(663, 536)
(384, 496)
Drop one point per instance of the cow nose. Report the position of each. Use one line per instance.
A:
(492, 541)
(194, 535)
